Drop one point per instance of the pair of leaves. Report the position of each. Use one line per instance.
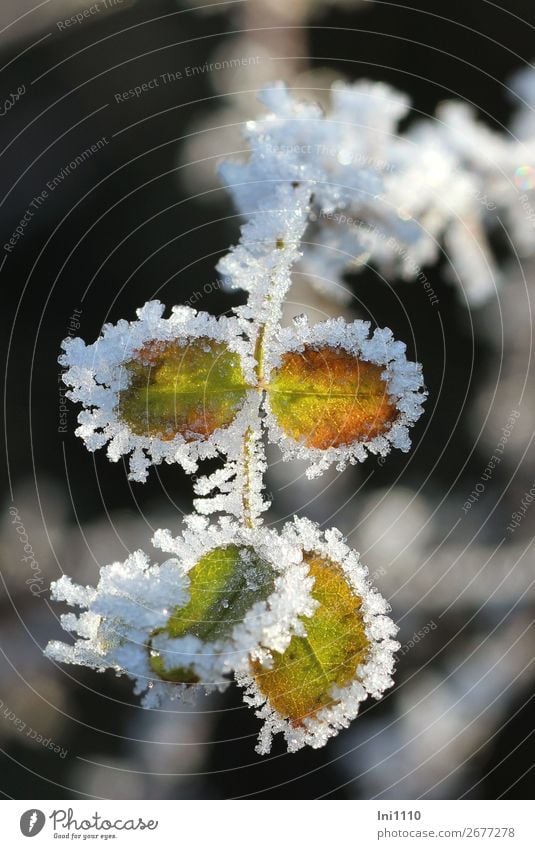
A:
(225, 584)
(322, 396)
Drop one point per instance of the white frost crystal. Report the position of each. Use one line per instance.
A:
(239, 484)
(372, 677)
(376, 194)
(130, 601)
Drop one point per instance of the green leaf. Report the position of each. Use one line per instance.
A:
(224, 585)
(301, 679)
(189, 388)
(326, 397)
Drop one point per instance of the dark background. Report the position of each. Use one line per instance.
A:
(122, 229)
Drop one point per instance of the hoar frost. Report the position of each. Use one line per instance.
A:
(379, 196)
(127, 621)
(290, 613)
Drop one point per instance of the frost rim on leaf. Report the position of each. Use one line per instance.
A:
(371, 678)
(403, 379)
(96, 375)
(131, 599)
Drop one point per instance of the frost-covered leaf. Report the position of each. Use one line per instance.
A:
(224, 586)
(248, 588)
(314, 687)
(190, 388)
(301, 680)
(334, 393)
(163, 389)
(326, 397)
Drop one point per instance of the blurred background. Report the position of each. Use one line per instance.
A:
(143, 216)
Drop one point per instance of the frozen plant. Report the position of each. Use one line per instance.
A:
(395, 199)
(399, 199)
(291, 613)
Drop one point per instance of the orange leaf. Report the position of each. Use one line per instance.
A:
(300, 681)
(326, 397)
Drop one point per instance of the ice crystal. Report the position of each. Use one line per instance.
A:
(377, 195)
(130, 601)
(238, 486)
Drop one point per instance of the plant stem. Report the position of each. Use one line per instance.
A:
(249, 519)
(251, 436)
